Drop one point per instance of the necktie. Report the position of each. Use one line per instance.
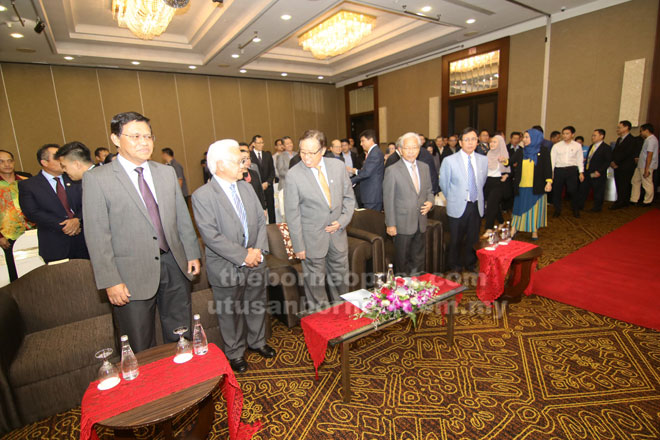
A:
(415, 177)
(324, 185)
(152, 208)
(61, 194)
(472, 182)
(591, 154)
(259, 155)
(242, 216)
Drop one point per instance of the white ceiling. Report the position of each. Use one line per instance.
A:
(206, 34)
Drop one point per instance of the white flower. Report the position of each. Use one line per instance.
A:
(385, 303)
(413, 301)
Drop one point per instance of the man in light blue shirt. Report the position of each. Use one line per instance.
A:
(646, 164)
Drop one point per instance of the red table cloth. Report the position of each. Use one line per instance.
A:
(320, 327)
(494, 266)
(159, 379)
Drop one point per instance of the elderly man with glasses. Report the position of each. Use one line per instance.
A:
(319, 204)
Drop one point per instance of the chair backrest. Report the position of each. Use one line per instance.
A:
(59, 294)
(26, 253)
(369, 220)
(275, 242)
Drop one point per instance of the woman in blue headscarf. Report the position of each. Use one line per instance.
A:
(532, 179)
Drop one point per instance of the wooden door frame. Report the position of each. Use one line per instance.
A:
(503, 80)
(358, 85)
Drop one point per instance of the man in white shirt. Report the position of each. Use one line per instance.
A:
(646, 164)
(567, 168)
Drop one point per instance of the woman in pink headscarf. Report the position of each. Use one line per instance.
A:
(495, 188)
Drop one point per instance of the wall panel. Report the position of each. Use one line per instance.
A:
(255, 111)
(80, 106)
(326, 107)
(305, 111)
(227, 109)
(120, 92)
(8, 140)
(195, 102)
(280, 108)
(34, 109)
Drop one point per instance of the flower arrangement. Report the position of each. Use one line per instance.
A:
(398, 298)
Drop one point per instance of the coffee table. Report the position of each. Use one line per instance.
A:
(359, 333)
(163, 411)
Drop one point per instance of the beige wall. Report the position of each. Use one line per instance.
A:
(586, 71)
(405, 93)
(57, 104)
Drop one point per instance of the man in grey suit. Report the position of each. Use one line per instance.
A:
(319, 204)
(231, 221)
(462, 179)
(141, 240)
(407, 198)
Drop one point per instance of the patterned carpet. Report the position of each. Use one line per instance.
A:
(542, 370)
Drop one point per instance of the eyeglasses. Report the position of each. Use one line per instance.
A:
(240, 163)
(310, 153)
(136, 137)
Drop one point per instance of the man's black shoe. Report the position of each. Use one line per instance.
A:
(556, 214)
(595, 209)
(576, 213)
(266, 351)
(238, 365)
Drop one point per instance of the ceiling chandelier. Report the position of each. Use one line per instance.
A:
(145, 18)
(337, 35)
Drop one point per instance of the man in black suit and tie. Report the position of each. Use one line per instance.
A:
(252, 177)
(230, 220)
(54, 202)
(75, 159)
(370, 176)
(627, 148)
(407, 198)
(595, 170)
(264, 161)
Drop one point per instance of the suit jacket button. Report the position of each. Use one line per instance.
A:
(155, 238)
(156, 258)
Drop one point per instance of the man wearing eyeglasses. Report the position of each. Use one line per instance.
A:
(232, 224)
(318, 205)
(141, 240)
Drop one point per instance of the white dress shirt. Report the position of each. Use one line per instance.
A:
(133, 175)
(567, 155)
(413, 176)
(325, 173)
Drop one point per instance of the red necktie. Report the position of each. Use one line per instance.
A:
(61, 194)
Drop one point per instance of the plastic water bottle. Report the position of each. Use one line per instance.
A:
(390, 273)
(129, 363)
(200, 345)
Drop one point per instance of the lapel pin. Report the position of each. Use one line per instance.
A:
(68, 184)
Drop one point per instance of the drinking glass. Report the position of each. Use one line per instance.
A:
(184, 351)
(108, 374)
(379, 278)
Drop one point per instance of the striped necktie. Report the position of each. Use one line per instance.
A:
(472, 181)
(242, 216)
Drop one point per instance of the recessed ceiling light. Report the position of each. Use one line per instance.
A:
(235, 55)
(2, 8)
(192, 67)
(256, 39)
(426, 8)
(68, 58)
(320, 77)
(286, 17)
(470, 20)
(242, 70)
(16, 35)
(135, 63)
(284, 74)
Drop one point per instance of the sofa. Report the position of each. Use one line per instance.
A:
(52, 322)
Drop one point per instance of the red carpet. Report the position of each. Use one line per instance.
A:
(616, 276)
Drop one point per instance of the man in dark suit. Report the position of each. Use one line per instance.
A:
(407, 198)
(231, 222)
(264, 161)
(351, 158)
(318, 205)
(370, 176)
(141, 240)
(54, 202)
(334, 152)
(547, 143)
(75, 159)
(627, 148)
(484, 142)
(595, 170)
(252, 177)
